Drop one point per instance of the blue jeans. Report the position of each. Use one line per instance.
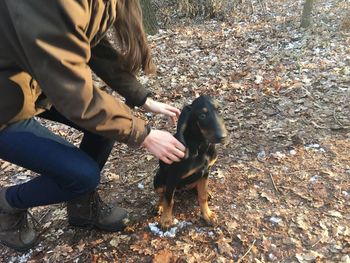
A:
(65, 171)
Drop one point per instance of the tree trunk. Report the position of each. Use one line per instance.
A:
(192, 8)
(149, 17)
(306, 16)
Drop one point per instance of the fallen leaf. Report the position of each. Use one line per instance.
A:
(310, 256)
(225, 248)
(164, 256)
(269, 197)
(335, 213)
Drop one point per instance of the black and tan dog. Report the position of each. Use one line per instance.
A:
(199, 128)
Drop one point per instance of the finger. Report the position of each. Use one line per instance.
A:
(178, 153)
(176, 111)
(174, 157)
(172, 109)
(169, 113)
(179, 146)
(166, 160)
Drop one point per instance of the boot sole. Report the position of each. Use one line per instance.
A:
(19, 249)
(77, 223)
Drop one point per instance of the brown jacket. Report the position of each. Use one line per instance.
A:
(47, 51)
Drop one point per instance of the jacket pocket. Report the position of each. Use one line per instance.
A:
(28, 95)
(40, 100)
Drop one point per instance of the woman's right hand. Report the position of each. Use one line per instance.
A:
(164, 146)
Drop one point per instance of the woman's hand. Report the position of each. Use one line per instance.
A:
(164, 146)
(162, 108)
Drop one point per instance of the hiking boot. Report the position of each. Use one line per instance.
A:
(15, 230)
(89, 211)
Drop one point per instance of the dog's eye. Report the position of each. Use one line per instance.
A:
(202, 116)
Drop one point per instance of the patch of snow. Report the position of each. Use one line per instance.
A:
(292, 152)
(312, 145)
(211, 233)
(22, 258)
(314, 178)
(169, 233)
(315, 146)
(275, 220)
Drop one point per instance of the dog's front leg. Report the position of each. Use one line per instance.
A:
(159, 206)
(202, 191)
(166, 219)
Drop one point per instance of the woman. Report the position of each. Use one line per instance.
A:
(47, 52)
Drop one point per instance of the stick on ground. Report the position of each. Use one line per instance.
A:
(246, 253)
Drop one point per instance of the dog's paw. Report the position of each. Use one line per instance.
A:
(166, 222)
(160, 210)
(157, 210)
(210, 218)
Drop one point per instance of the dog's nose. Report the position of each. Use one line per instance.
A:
(221, 137)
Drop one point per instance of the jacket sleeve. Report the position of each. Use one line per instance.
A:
(108, 65)
(57, 50)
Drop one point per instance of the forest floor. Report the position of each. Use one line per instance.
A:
(281, 186)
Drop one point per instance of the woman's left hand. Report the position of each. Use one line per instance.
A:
(162, 108)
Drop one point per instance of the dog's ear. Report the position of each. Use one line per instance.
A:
(182, 124)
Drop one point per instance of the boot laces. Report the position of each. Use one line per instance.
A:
(21, 221)
(101, 206)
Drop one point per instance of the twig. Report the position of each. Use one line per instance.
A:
(318, 241)
(273, 183)
(33, 218)
(139, 180)
(44, 215)
(246, 253)
(338, 121)
(318, 126)
(336, 118)
(142, 178)
(252, 6)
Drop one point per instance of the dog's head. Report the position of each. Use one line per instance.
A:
(205, 114)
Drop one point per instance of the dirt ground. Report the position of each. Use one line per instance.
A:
(281, 186)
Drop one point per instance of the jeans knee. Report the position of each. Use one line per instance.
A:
(86, 179)
(91, 178)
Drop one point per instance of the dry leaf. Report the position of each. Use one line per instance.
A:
(164, 256)
(225, 248)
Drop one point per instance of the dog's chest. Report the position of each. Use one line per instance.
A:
(200, 164)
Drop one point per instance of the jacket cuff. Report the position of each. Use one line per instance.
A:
(139, 98)
(139, 132)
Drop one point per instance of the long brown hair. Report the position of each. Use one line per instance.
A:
(132, 38)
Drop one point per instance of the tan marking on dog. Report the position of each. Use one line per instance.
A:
(191, 186)
(212, 161)
(190, 173)
(202, 189)
(159, 206)
(166, 219)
